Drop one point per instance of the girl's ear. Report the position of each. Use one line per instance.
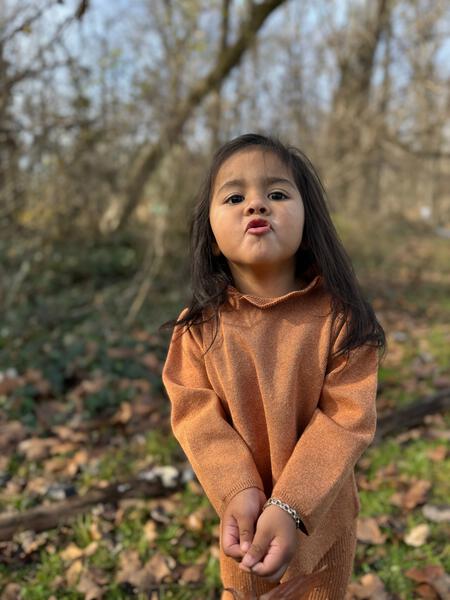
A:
(216, 249)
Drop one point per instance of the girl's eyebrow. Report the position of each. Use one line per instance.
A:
(266, 180)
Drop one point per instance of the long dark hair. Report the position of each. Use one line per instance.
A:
(320, 253)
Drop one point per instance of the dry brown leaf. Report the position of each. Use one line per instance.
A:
(437, 454)
(31, 541)
(69, 434)
(215, 551)
(157, 568)
(150, 531)
(368, 532)
(37, 486)
(426, 574)
(12, 433)
(130, 568)
(417, 536)
(73, 572)
(424, 590)
(89, 587)
(369, 587)
(9, 381)
(11, 592)
(193, 574)
(194, 487)
(415, 495)
(63, 448)
(196, 520)
(90, 549)
(72, 552)
(123, 414)
(35, 448)
(56, 464)
(433, 575)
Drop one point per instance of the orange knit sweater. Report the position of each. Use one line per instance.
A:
(267, 406)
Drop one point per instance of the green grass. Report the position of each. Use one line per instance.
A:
(47, 330)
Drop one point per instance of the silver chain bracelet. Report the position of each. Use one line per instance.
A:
(287, 508)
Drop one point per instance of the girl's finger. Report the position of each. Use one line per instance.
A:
(272, 564)
(272, 577)
(230, 538)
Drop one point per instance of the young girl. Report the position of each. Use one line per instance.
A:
(272, 370)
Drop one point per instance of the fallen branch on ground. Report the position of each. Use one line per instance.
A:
(412, 415)
(157, 483)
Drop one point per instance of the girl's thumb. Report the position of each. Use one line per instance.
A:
(257, 550)
(245, 534)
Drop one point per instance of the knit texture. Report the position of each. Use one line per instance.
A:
(269, 406)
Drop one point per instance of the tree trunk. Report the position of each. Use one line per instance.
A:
(225, 63)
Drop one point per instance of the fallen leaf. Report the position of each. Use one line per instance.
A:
(11, 592)
(193, 574)
(426, 574)
(369, 587)
(437, 514)
(89, 588)
(35, 448)
(415, 495)
(156, 570)
(196, 520)
(150, 531)
(417, 536)
(73, 573)
(12, 433)
(69, 434)
(437, 454)
(433, 575)
(90, 549)
(31, 541)
(123, 415)
(72, 552)
(368, 532)
(424, 590)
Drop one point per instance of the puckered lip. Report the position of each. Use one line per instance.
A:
(257, 223)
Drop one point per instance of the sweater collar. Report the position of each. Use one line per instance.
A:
(235, 295)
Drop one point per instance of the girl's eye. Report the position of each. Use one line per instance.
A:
(238, 197)
(231, 198)
(279, 194)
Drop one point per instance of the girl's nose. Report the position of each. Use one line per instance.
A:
(257, 204)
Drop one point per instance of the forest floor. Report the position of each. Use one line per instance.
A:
(83, 407)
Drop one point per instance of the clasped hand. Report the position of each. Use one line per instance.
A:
(265, 541)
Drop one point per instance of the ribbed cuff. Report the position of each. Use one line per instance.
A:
(242, 485)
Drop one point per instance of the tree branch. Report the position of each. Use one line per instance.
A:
(225, 63)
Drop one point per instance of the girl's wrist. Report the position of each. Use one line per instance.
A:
(291, 511)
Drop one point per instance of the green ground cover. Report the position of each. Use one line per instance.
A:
(84, 405)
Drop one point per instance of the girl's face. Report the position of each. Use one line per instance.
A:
(255, 184)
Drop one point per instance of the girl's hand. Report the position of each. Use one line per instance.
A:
(274, 545)
(238, 522)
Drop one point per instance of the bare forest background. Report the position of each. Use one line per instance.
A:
(110, 111)
(109, 114)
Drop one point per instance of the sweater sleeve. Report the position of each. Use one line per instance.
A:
(341, 428)
(219, 456)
